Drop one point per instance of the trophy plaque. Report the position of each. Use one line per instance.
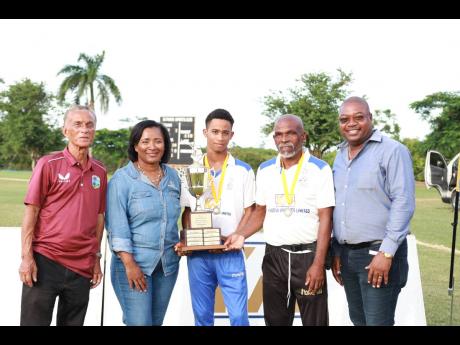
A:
(201, 235)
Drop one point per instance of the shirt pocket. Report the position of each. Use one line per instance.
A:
(145, 202)
(367, 180)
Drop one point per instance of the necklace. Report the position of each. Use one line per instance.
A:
(351, 155)
(217, 194)
(289, 194)
(155, 181)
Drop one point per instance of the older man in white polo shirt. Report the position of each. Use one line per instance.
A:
(294, 202)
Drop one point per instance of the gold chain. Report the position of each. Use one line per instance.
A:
(156, 181)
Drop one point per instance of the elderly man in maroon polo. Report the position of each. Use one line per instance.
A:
(62, 227)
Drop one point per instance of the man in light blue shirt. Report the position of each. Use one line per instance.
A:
(375, 201)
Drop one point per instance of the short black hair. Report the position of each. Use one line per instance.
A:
(220, 114)
(136, 134)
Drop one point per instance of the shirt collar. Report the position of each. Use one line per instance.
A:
(72, 161)
(375, 136)
(230, 161)
(305, 152)
(134, 173)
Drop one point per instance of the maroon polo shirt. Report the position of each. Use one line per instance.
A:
(70, 200)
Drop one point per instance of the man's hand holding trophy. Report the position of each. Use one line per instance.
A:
(200, 234)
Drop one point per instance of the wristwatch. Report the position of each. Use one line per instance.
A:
(387, 255)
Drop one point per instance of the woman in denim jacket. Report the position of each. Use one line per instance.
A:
(141, 219)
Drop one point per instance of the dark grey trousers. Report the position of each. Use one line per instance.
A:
(54, 280)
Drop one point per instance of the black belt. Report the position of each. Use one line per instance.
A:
(297, 247)
(361, 245)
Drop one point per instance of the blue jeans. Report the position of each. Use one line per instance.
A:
(142, 308)
(370, 306)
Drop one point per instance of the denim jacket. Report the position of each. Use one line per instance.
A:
(142, 219)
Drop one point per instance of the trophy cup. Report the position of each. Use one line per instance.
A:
(201, 235)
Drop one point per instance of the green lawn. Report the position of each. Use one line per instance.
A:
(15, 174)
(434, 267)
(12, 194)
(431, 224)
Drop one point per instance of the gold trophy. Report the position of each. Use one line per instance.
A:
(201, 235)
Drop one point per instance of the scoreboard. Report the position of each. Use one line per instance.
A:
(182, 133)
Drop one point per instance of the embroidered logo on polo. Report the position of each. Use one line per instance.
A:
(95, 181)
(64, 179)
(303, 179)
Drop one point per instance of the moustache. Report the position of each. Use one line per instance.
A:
(289, 145)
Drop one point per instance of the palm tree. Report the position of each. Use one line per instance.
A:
(82, 79)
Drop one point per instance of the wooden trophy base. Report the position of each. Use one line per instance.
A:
(197, 239)
(198, 248)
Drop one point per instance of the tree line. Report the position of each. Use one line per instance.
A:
(29, 113)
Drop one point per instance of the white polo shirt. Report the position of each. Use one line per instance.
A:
(314, 190)
(238, 193)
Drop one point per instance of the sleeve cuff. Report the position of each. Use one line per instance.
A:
(389, 246)
(260, 202)
(121, 245)
(249, 203)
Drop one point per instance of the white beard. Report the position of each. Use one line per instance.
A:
(287, 155)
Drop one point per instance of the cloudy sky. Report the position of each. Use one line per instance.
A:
(190, 67)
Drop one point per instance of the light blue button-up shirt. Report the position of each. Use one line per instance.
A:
(374, 193)
(142, 219)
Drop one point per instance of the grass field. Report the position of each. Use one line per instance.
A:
(431, 225)
(13, 187)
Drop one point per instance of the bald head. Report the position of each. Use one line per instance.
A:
(355, 100)
(292, 118)
(355, 121)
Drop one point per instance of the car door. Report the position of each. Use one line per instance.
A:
(452, 169)
(436, 172)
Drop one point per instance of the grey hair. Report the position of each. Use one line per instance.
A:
(77, 107)
(292, 117)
